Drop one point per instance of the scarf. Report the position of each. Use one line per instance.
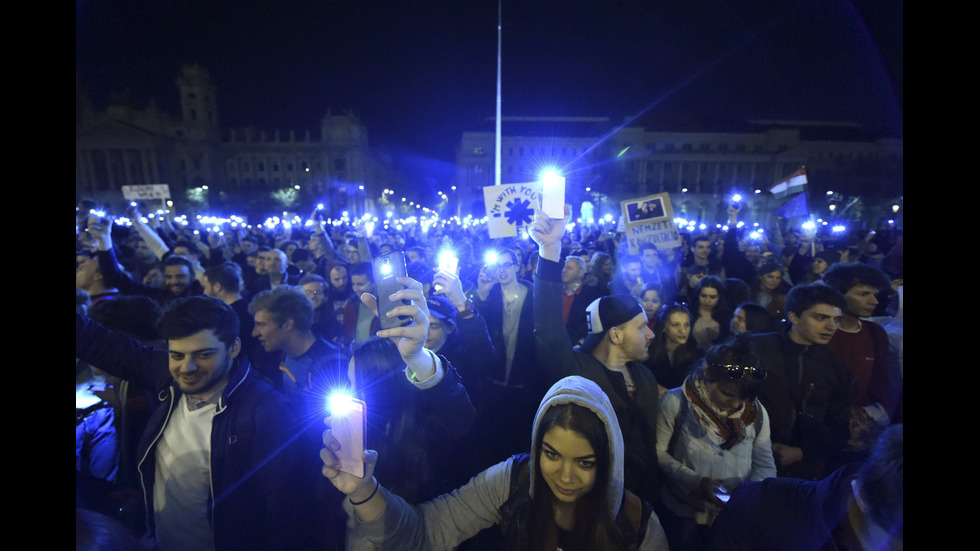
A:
(724, 429)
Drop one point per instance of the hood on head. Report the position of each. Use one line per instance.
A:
(583, 392)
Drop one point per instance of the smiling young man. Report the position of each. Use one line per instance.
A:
(809, 390)
(221, 461)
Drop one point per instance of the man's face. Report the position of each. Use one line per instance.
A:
(143, 252)
(315, 292)
(338, 278)
(701, 250)
(260, 262)
(439, 331)
(274, 263)
(861, 301)
(634, 338)
(86, 273)
(313, 245)
(247, 246)
(649, 259)
(631, 271)
(269, 333)
(573, 272)
(815, 325)
(753, 253)
(209, 289)
(176, 278)
(506, 269)
(413, 256)
(361, 284)
(353, 255)
(201, 361)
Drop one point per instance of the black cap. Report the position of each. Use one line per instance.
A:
(605, 312)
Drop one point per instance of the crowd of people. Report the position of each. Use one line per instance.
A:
(562, 393)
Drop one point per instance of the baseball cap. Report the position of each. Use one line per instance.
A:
(441, 308)
(605, 312)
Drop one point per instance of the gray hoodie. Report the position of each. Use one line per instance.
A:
(452, 518)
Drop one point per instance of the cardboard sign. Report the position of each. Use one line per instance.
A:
(650, 219)
(510, 207)
(140, 193)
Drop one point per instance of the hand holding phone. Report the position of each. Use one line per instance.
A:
(387, 269)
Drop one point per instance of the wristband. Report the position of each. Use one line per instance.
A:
(377, 485)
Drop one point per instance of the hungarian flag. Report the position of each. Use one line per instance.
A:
(794, 183)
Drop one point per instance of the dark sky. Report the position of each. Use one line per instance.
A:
(420, 72)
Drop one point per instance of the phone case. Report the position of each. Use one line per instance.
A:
(350, 429)
(387, 270)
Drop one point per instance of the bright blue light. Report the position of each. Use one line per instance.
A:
(551, 177)
(491, 258)
(340, 404)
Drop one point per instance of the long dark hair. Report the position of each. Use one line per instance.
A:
(671, 375)
(395, 427)
(594, 524)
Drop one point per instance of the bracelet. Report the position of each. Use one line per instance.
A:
(377, 485)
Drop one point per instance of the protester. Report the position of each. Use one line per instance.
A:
(567, 493)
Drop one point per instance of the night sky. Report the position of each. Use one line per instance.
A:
(419, 73)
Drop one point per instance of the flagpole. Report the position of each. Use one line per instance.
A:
(497, 152)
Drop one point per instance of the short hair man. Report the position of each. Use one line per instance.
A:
(325, 322)
(808, 390)
(283, 319)
(611, 355)
(576, 296)
(224, 281)
(863, 344)
(218, 419)
(628, 281)
(360, 323)
(179, 280)
(88, 277)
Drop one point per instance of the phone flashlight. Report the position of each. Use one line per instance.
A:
(736, 201)
(448, 262)
(386, 267)
(340, 404)
(491, 258)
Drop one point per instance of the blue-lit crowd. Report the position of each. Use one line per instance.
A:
(556, 390)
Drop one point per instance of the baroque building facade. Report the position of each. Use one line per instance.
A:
(121, 146)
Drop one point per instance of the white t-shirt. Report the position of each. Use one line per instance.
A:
(182, 486)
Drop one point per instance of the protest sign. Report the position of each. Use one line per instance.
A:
(650, 219)
(510, 207)
(141, 193)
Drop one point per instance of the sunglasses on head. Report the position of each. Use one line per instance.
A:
(739, 371)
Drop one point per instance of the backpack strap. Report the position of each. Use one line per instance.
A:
(520, 490)
(634, 515)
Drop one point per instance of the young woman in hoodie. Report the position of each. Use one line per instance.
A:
(566, 495)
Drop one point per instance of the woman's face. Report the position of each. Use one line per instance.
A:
(724, 397)
(770, 281)
(819, 266)
(708, 297)
(651, 303)
(738, 322)
(568, 464)
(678, 328)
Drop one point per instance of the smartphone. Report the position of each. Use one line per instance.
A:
(348, 424)
(723, 496)
(553, 195)
(447, 263)
(387, 269)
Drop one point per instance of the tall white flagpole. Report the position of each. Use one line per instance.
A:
(497, 152)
